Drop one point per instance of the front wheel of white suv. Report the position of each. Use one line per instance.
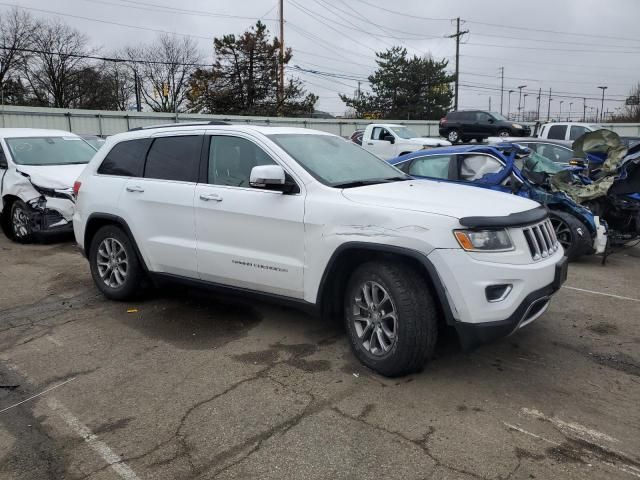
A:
(114, 263)
(390, 317)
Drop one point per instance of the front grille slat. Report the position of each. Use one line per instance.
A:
(541, 240)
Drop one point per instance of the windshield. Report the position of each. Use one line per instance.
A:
(49, 150)
(497, 116)
(336, 162)
(404, 132)
(538, 164)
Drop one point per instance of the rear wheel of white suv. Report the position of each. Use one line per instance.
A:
(114, 263)
(390, 317)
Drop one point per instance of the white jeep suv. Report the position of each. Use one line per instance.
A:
(306, 217)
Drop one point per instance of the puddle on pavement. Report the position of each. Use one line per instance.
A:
(190, 320)
(295, 356)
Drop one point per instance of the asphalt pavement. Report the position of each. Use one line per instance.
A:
(186, 384)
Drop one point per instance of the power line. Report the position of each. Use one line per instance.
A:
(405, 14)
(519, 47)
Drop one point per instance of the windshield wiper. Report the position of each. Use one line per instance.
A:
(373, 181)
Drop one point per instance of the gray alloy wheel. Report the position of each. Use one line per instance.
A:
(453, 136)
(503, 133)
(112, 262)
(375, 319)
(20, 223)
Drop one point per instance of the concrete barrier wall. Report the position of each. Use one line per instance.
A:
(102, 122)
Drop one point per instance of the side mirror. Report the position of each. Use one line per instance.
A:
(491, 120)
(271, 177)
(389, 138)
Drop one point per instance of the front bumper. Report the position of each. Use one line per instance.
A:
(50, 215)
(532, 307)
(465, 279)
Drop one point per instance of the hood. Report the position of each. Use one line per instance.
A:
(53, 176)
(432, 142)
(442, 198)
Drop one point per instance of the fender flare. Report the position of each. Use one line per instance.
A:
(121, 222)
(415, 255)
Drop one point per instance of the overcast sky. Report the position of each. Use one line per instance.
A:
(570, 46)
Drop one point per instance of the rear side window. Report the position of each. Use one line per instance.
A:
(126, 159)
(474, 167)
(432, 167)
(557, 132)
(577, 131)
(174, 158)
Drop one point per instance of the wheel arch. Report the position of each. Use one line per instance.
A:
(98, 220)
(7, 200)
(348, 256)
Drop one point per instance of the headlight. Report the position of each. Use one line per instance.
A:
(517, 125)
(484, 240)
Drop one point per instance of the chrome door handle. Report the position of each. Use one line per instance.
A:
(135, 188)
(210, 197)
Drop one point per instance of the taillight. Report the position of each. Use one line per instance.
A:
(76, 187)
(443, 120)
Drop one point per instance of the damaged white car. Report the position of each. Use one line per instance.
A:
(37, 172)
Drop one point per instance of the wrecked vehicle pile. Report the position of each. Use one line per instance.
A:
(37, 172)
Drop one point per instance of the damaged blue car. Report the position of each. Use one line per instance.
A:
(512, 169)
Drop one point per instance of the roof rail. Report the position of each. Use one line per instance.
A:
(191, 124)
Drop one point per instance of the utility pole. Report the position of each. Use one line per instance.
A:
(584, 110)
(524, 107)
(136, 85)
(501, 88)
(560, 114)
(520, 100)
(281, 79)
(489, 103)
(457, 36)
(539, 100)
(359, 91)
(549, 110)
(602, 105)
(2, 95)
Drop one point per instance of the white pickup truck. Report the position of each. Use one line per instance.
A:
(388, 140)
(564, 130)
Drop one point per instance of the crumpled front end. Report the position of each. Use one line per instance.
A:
(49, 209)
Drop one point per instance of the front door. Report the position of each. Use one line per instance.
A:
(247, 237)
(379, 147)
(159, 205)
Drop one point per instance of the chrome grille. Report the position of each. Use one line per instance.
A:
(541, 239)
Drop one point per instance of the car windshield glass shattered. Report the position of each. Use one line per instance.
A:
(404, 132)
(336, 162)
(49, 150)
(538, 164)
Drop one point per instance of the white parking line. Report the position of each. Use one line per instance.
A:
(92, 440)
(572, 427)
(620, 297)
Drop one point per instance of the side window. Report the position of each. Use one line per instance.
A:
(126, 159)
(436, 166)
(378, 133)
(577, 131)
(231, 160)
(474, 167)
(482, 117)
(557, 154)
(557, 132)
(174, 158)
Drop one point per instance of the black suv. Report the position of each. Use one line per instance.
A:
(468, 124)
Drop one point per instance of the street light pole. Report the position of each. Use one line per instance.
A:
(570, 110)
(524, 103)
(603, 88)
(509, 107)
(560, 114)
(520, 99)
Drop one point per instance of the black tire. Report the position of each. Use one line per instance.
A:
(453, 135)
(134, 274)
(19, 223)
(504, 133)
(574, 235)
(416, 323)
(479, 139)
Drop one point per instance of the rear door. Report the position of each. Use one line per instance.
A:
(429, 166)
(159, 205)
(247, 237)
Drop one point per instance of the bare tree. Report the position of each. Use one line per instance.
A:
(16, 35)
(55, 69)
(122, 79)
(164, 69)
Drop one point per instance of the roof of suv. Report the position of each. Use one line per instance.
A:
(264, 130)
